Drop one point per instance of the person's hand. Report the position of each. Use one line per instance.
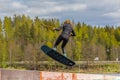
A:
(53, 29)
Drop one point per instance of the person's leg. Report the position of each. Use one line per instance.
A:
(59, 39)
(63, 46)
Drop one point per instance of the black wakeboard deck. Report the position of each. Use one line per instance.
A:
(57, 56)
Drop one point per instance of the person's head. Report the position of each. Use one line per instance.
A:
(67, 21)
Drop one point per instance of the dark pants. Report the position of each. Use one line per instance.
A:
(59, 39)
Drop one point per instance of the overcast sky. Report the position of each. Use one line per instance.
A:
(92, 12)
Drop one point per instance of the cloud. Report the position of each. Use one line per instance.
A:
(93, 12)
(39, 7)
(12, 7)
(114, 14)
(55, 8)
(71, 7)
(18, 5)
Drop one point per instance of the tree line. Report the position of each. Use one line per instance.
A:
(21, 38)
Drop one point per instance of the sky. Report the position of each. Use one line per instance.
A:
(91, 12)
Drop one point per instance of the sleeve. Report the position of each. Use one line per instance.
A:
(58, 29)
(73, 33)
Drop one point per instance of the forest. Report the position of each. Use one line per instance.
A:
(21, 38)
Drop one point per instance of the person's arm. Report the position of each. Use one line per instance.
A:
(73, 33)
(58, 29)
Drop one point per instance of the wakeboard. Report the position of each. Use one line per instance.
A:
(57, 56)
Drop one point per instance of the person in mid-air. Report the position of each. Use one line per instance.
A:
(67, 31)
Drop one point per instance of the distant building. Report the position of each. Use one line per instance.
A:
(96, 59)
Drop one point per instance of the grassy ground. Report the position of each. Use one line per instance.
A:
(83, 67)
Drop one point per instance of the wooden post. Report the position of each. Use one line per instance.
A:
(41, 76)
(74, 77)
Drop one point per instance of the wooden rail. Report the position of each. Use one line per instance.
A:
(77, 62)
